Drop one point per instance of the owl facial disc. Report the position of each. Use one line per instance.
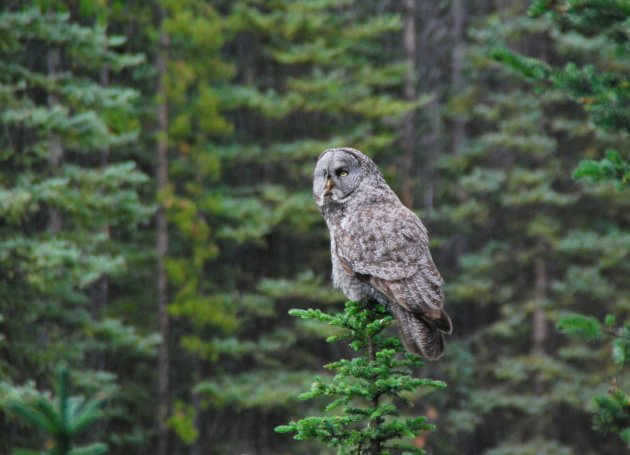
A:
(337, 174)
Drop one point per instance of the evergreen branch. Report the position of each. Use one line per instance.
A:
(579, 325)
(610, 168)
(529, 67)
(613, 414)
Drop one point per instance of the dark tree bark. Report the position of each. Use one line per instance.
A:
(99, 290)
(410, 92)
(539, 320)
(431, 47)
(55, 156)
(162, 241)
(539, 332)
(458, 16)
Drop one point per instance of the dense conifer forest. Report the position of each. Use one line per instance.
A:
(165, 274)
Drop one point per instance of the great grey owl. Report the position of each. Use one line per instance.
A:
(380, 248)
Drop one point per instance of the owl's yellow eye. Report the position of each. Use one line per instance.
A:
(341, 173)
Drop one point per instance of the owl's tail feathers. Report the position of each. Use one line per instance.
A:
(443, 323)
(422, 337)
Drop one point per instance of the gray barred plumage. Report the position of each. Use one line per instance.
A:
(380, 248)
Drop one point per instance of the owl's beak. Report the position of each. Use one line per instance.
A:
(329, 185)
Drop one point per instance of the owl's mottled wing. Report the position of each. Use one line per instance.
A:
(388, 245)
(384, 241)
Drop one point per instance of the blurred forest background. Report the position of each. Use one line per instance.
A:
(156, 221)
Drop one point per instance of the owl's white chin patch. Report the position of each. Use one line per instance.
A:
(323, 200)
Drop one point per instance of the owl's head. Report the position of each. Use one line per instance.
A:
(340, 172)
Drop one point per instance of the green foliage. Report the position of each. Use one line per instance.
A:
(194, 68)
(62, 421)
(612, 412)
(604, 93)
(71, 207)
(255, 89)
(611, 168)
(578, 325)
(367, 389)
(534, 248)
(183, 422)
(278, 85)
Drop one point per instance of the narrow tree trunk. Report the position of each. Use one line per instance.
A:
(409, 121)
(539, 320)
(102, 285)
(539, 336)
(458, 14)
(432, 30)
(162, 244)
(196, 447)
(458, 127)
(99, 290)
(55, 156)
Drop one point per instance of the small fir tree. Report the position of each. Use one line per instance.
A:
(367, 388)
(62, 419)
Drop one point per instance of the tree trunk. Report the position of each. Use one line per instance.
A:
(409, 121)
(430, 47)
(162, 242)
(196, 448)
(539, 335)
(539, 320)
(99, 290)
(458, 14)
(55, 155)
